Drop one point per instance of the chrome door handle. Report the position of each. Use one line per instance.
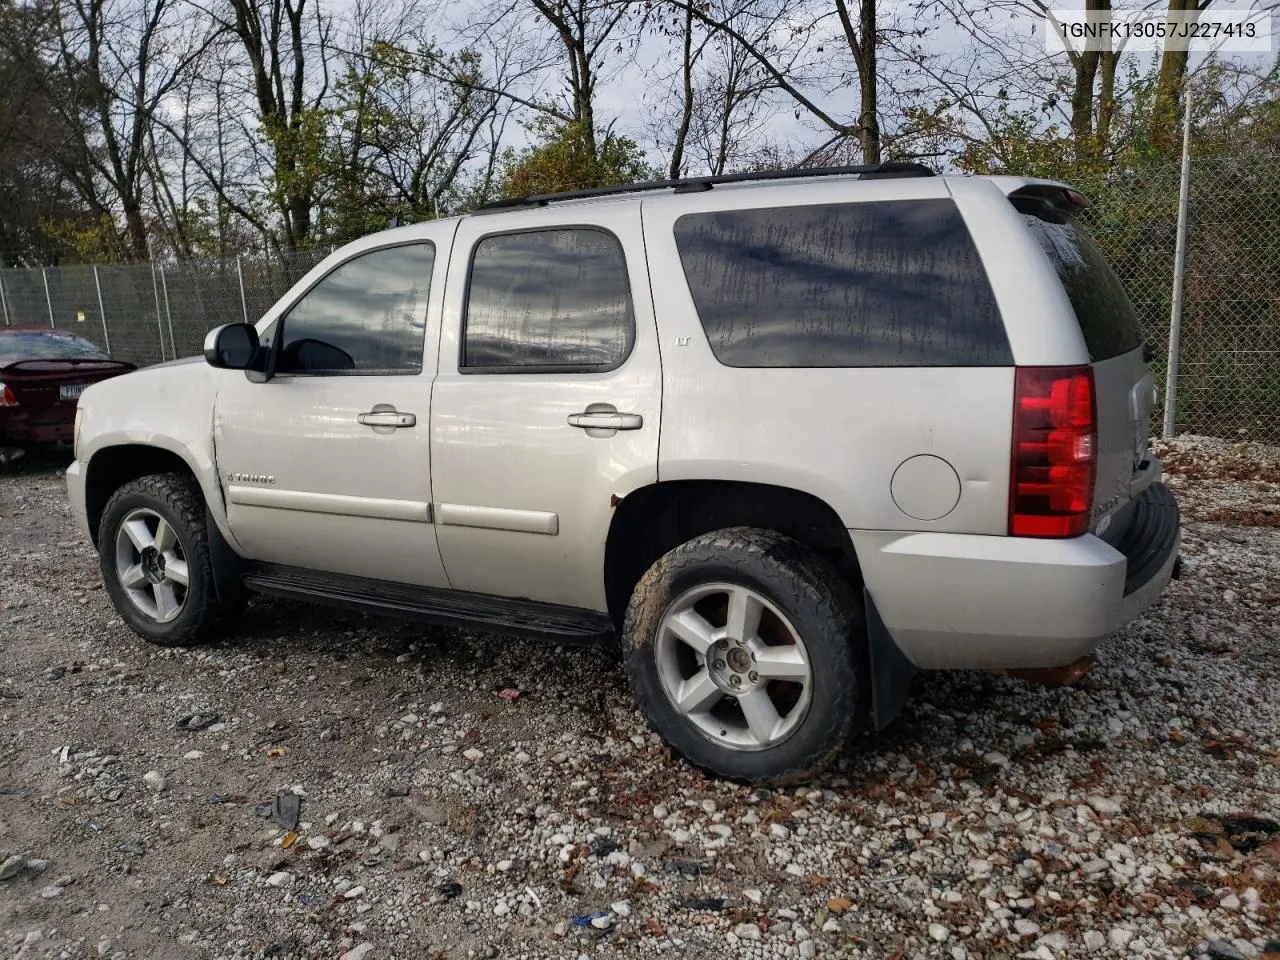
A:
(387, 418)
(606, 421)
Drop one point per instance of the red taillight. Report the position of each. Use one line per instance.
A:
(7, 396)
(1055, 439)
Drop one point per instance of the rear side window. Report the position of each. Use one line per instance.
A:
(548, 301)
(880, 284)
(1106, 316)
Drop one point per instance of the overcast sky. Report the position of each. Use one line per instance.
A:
(627, 96)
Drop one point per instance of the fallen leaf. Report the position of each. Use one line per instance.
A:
(1204, 825)
(839, 905)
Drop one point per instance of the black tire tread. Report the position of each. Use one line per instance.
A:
(812, 577)
(180, 493)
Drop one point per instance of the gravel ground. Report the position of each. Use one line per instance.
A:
(1133, 816)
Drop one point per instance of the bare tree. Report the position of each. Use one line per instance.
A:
(1001, 68)
(586, 32)
(120, 61)
(714, 103)
(810, 49)
(408, 121)
(287, 48)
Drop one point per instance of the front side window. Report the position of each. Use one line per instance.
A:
(877, 284)
(547, 300)
(366, 317)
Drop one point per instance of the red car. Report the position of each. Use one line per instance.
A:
(42, 374)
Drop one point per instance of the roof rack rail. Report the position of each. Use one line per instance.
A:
(870, 171)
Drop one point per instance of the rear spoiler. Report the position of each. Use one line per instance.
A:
(19, 366)
(1048, 199)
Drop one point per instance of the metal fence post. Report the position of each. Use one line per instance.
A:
(244, 303)
(1179, 273)
(155, 287)
(44, 275)
(102, 311)
(168, 313)
(3, 303)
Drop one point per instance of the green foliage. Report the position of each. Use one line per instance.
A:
(84, 239)
(567, 156)
(397, 139)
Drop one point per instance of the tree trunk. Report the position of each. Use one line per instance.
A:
(1107, 98)
(868, 118)
(686, 104)
(136, 228)
(1082, 102)
(1163, 132)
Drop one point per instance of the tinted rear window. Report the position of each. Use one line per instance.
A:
(882, 284)
(46, 346)
(1102, 308)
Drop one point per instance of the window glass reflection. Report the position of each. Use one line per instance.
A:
(548, 298)
(886, 283)
(366, 317)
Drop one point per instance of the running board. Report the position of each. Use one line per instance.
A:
(567, 625)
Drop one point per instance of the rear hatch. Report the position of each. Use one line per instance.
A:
(1124, 386)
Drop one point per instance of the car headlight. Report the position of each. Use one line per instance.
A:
(75, 432)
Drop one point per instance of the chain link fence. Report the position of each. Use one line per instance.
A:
(148, 313)
(1229, 357)
(1229, 361)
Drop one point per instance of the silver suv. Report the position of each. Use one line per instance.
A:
(789, 436)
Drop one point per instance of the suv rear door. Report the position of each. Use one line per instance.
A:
(546, 405)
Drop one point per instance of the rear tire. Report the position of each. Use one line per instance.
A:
(153, 549)
(746, 650)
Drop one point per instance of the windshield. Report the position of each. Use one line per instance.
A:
(46, 346)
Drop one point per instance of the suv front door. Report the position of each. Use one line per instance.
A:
(327, 465)
(547, 401)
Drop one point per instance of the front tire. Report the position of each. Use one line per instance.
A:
(154, 553)
(746, 652)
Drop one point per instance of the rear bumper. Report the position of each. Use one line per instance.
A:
(977, 602)
(22, 429)
(75, 493)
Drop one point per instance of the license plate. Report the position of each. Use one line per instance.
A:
(71, 391)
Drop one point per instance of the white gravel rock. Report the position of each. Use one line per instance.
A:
(992, 802)
(1104, 806)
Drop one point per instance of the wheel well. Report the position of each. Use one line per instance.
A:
(112, 468)
(652, 520)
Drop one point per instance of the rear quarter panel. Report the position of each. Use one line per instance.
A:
(836, 433)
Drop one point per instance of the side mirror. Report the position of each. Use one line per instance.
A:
(233, 346)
